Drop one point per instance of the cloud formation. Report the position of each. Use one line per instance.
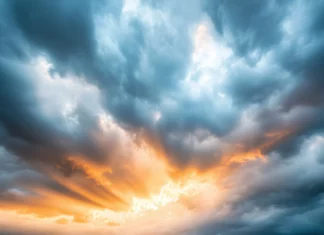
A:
(105, 104)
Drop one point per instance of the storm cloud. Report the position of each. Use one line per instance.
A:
(92, 91)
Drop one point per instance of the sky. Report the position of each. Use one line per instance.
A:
(142, 117)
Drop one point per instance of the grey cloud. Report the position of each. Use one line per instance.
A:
(273, 82)
(62, 29)
(252, 86)
(156, 59)
(250, 25)
(283, 197)
(44, 143)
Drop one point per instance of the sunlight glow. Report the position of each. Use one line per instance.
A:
(170, 194)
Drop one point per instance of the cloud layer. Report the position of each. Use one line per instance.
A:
(106, 101)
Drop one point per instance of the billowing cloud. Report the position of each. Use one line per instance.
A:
(193, 117)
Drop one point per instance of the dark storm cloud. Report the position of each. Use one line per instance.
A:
(273, 82)
(155, 63)
(294, 74)
(250, 25)
(63, 30)
(304, 58)
(25, 128)
(66, 33)
(20, 116)
(248, 86)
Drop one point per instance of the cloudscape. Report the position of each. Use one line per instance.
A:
(161, 117)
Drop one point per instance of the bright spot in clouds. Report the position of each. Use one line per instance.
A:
(161, 117)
